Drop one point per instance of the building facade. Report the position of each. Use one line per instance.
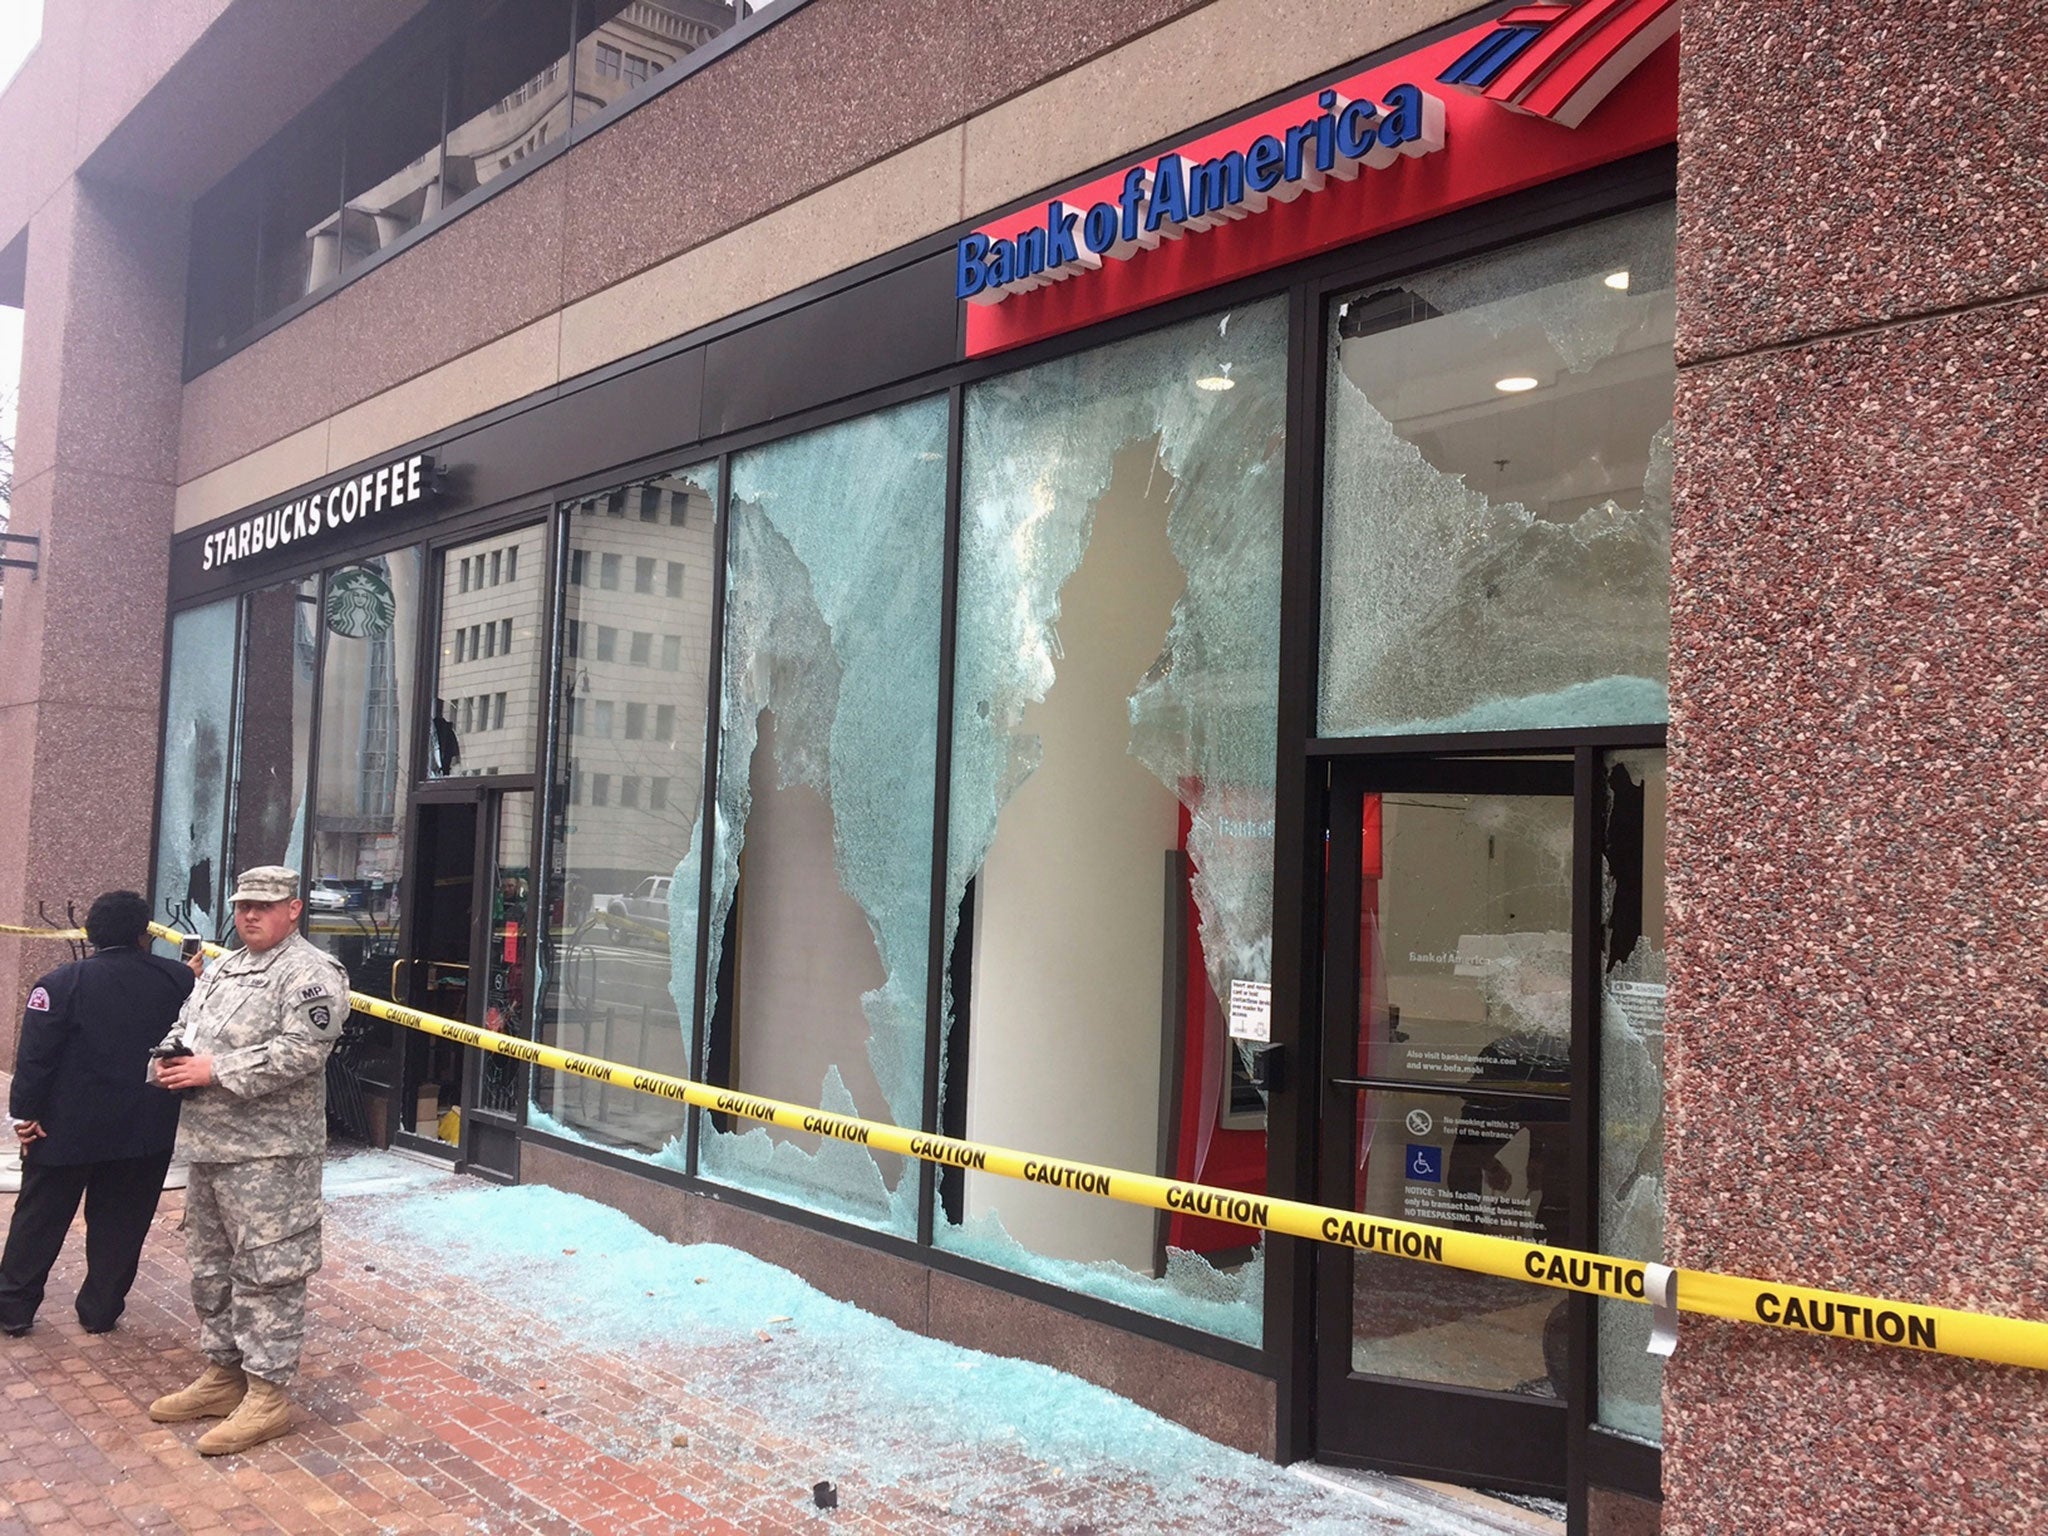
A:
(1388, 604)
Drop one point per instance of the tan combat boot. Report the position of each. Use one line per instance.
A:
(217, 1393)
(263, 1415)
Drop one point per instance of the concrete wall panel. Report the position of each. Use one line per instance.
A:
(514, 365)
(1202, 66)
(894, 201)
(289, 461)
(837, 87)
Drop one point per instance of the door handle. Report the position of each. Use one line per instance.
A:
(394, 977)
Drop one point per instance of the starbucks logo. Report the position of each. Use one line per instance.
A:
(360, 604)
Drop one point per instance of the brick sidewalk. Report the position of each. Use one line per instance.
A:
(427, 1404)
(405, 1425)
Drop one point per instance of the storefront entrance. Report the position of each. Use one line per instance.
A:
(467, 956)
(1449, 1100)
(1486, 921)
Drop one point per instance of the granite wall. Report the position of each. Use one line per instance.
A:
(1859, 793)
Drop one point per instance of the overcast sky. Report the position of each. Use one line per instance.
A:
(21, 22)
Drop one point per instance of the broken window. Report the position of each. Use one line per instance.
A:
(820, 916)
(1497, 493)
(1110, 866)
(1631, 1154)
(198, 722)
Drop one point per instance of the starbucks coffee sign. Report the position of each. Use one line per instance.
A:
(327, 513)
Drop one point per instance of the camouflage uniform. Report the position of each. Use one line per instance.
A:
(255, 1139)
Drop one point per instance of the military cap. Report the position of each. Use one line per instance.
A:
(266, 882)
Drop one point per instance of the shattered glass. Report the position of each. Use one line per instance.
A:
(1497, 523)
(828, 734)
(1148, 473)
(1631, 1157)
(960, 1440)
(198, 726)
(1546, 285)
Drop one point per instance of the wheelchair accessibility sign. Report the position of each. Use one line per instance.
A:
(1425, 1164)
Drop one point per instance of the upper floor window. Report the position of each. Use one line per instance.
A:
(464, 93)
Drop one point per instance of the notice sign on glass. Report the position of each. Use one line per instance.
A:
(1251, 1011)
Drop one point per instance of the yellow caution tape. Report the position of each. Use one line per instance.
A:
(1795, 1308)
(66, 934)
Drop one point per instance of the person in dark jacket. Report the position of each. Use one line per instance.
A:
(90, 1123)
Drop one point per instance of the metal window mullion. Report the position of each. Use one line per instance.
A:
(940, 961)
(707, 813)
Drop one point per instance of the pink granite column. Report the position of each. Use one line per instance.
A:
(1859, 813)
(81, 645)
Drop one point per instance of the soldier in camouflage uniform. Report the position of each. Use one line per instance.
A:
(259, 1026)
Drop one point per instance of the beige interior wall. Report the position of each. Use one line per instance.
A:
(806, 952)
(1069, 919)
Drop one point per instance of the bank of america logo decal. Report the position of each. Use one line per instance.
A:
(1559, 60)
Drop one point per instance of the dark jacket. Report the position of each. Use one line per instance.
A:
(80, 1066)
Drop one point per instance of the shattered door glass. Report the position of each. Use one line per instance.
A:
(198, 724)
(1497, 492)
(1631, 1172)
(1111, 814)
(821, 876)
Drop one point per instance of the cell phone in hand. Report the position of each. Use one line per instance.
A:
(171, 1053)
(190, 948)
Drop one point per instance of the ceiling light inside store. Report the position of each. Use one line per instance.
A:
(1617, 280)
(1216, 381)
(1515, 385)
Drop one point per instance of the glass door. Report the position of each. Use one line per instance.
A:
(502, 967)
(1449, 1100)
(468, 958)
(434, 975)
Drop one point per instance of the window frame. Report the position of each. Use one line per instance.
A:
(442, 19)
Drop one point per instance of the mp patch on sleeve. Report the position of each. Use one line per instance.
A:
(321, 1017)
(312, 994)
(39, 1000)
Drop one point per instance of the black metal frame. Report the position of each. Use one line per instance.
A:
(939, 963)
(702, 1064)
(33, 564)
(1307, 773)
(1441, 1421)
(1423, 1429)
(1305, 761)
